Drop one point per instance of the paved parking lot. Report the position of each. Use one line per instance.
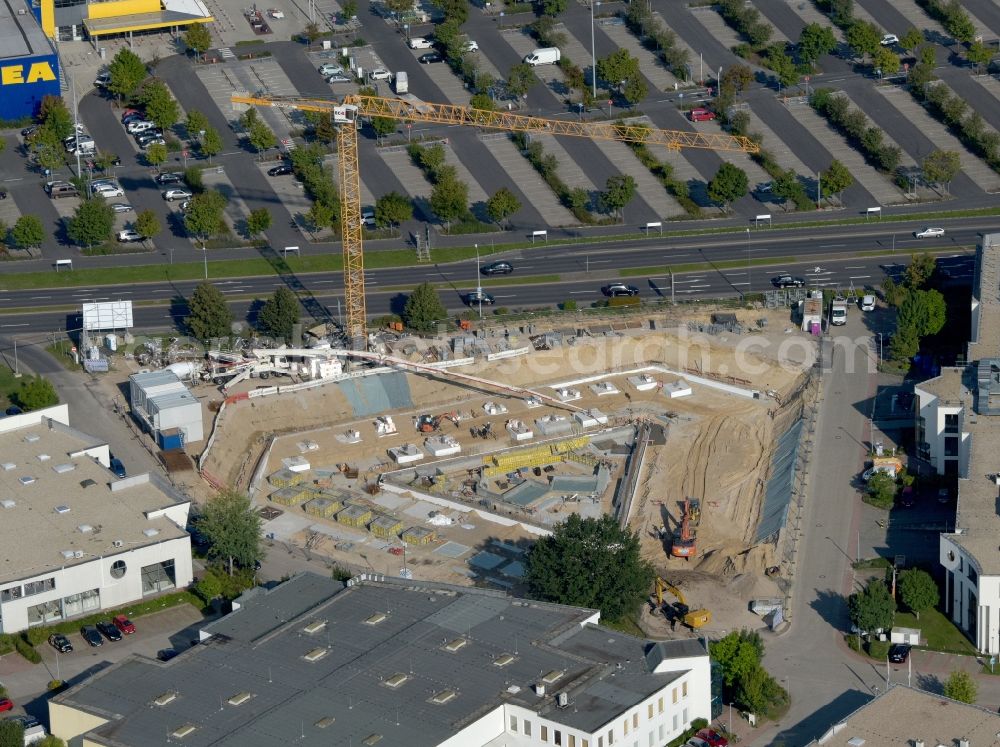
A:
(535, 190)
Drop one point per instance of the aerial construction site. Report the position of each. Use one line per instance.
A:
(443, 459)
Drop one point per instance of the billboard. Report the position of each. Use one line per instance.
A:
(107, 315)
(24, 81)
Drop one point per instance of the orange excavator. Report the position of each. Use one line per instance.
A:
(684, 543)
(431, 423)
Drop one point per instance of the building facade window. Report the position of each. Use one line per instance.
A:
(677, 721)
(649, 711)
(571, 739)
(38, 587)
(544, 733)
(158, 577)
(513, 723)
(684, 716)
(556, 737)
(9, 595)
(85, 601)
(635, 720)
(684, 689)
(673, 694)
(662, 730)
(45, 613)
(659, 704)
(118, 569)
(527, 728)
(951, 446)
(625, 726)
(611, 736)
(951, 423)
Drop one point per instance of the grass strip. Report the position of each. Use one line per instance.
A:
(727, 264)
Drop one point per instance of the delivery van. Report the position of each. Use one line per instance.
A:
(543, 56)
(402, 83)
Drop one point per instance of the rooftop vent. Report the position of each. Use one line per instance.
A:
(43, 457)
(503, 660)
(443, 697)
(151, 532)
(963, 742)
(371, 739)
(8, 466)
(323, 723)
(7, 503)
(62, 509)
(314, 627)
(87, 483)
(562, 699)
(117, 543)
(168, 697)
(239, 698)
(26, 480)
(183, 731)
(85, 529)
(31, 438)
(62, 469)
(316, 654)
(376, 618)
(396, 680)
(856, 741)
(552, 676)
(514, 689)
(67, 554)
(455, 645)
(540, 690)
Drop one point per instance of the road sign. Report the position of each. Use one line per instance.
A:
(805, 78)
(185, 153)
(610, 102)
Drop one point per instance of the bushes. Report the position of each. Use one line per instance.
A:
(26, 650)
(952, 16)
(854, 125)
(878, 649)
(663, 171)
(574, 199)
(969, 127)
(657, 38)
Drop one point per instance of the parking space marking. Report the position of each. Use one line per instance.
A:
(782, 153)
(367, 196)
(451, 86)
(569, 171)
(530, 183)
(409, 176)
(649, 64)
(476, 192)
(521, 43)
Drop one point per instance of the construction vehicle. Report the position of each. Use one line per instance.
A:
(347, 115)
(680, 610)
(431, 423)
(685, 533)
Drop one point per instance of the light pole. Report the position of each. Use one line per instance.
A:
(479, 284)
(204, 252)
(749, 284)
(593, 51)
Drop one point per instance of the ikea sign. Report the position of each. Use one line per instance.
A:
(30, 73)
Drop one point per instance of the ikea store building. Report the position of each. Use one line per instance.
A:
(29, 68)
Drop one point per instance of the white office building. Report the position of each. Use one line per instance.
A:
(76, 539)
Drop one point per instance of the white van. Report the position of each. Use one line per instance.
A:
(543, 56)
(402, 83)
(83, 145)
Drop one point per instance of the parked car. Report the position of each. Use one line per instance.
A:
(430, 58)
(166, 654)
(421, 42)
(929, 233)
(712, 737)
(6, 704)
(130, 112)
(470, 46)
(889, 40)
(619, 289)
(110, 631)
(380, 73)
(121, 207)
(338, 78)
(108, 190)
(868, 302)
(26, 721)
(281, 170)
(764, 188)
(275, 13)
(29, 130)
(696, 742)
(867, 474)
(60, 643)
(898, 653)
(13, 410)
(498, 268)
(328, 68)
(141, 138)
(368, 217)
(133, 117)
(102, 80)
(91, 635)
(128, 236)
(176, 194)
(479, 296)
(906, 498)
(170, 177)
(155, 141)
(116, 464)
(139, 125)
(124, 624)
(701, 115)
(788, 281)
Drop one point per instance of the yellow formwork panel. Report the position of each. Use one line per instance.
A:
(418, 536)
(385, 526)
(324, 507)
(291, 496)
(354, 516)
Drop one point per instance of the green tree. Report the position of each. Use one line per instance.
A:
(92, 222)
(501, 205)
(886, 60)
(912, 39)
(918, 591)
(204, 216)
(841, 11)
(127, 73)
(311, 31)
(482, 102)
(34, 393)
(56, 117)
(894, 293)
(961, 687)
(28, 232)
(198, 39)
(619, 191)
(554, 7)
(881, 490)
(618, 67)
(736, 78)
(195, 123)
(634, 90)
(279, 314)
(324, 129)
(941, 166)
(211, 143)
(147, 224)
(209, 586)
(729, 184)
(905, 344)
(258, 221)
(161, 107)
(321, 215)
(261, 137)
(958, 23)
(392, 208)
(11, 734)
(423, 309)
(349, 9)
(979, 54)
(919, 271)
(863, 37)
(156, 155)
(383, 126)
(450, 200)
(105, 161)
(232, 527)
(873, 608)
(737, 653)
(815, 41)
(837, 178)
(590, 562)
(210, 315)
(520, 78)
(924, 311)
(758, 691)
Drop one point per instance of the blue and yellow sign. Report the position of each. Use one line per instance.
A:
(24, 82)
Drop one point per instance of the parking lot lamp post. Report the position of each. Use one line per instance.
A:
(593, 51)
(479, 284)
(406, 28)
(749, 284)
(204, 252)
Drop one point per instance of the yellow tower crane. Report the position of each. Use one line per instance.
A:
(346, 114)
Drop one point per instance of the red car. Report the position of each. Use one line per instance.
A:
(713, 738)
(6, 704)
(124, 624)
(702, 115)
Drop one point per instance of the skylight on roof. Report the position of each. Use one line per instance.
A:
(503, 660)
(376, 618)
(314, 627)
(168, 697)
(455, 645)
(26, 480)
(183, 731)
(443, 697)
(316, 654)
(553, 676)
(240, 698)
(396, 680)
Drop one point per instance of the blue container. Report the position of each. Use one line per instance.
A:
(170, 440)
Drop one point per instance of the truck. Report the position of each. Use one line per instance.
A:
(811, 311)
(543, 56)
(838, 311)
(402, 82)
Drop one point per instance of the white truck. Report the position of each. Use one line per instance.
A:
(838, 311)
(401, 82)
(543, 56)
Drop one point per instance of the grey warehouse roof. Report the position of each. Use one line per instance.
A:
(20, 34)
(314, 663)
